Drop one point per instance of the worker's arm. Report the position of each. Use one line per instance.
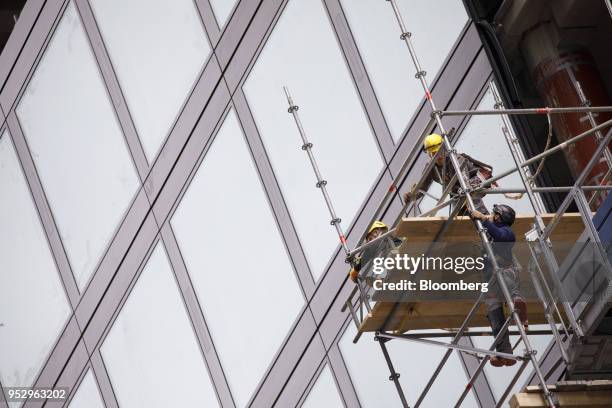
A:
(499, 234)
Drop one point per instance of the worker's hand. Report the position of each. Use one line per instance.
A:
(511, 196)
(410, 195)
(477, 215)
(353, 274)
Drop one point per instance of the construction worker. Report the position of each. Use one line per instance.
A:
(474, 171)
(376, 229)
(498, 226)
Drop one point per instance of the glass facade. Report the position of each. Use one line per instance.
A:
(151, 341)
(197, 292)
(144, 49)
(312, 66)
(77, 146)
(225, 215)
(33, 305)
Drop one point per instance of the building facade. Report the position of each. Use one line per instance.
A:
(162, 239)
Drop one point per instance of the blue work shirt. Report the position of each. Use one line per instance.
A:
(503, 236)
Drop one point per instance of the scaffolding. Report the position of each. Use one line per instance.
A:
(538, 237)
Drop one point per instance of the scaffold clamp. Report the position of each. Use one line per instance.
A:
(321, 183)
(335, 221)
(420, 74)
(293, 108)
(405, 35)
(306, 146)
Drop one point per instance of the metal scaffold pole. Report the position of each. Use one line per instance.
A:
(527, 180)
(321, 183)
(420, 75)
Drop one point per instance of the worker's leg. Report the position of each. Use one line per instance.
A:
(512, 279)
(495, 314)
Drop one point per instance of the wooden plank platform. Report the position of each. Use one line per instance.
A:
(404, 316)
(575, 394)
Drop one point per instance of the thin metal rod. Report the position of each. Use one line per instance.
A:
(516, 377)
(543, 189)
(452, 154)
(482, 364)
(321, 183)
(528, 111)
(548, 152)
(465, 349)
(603, 144)
(609, 6)
(448, 352)
(394, 374)
(472, 333)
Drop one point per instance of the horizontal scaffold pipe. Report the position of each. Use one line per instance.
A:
(548, 152)
(542, 189)
(529, 111)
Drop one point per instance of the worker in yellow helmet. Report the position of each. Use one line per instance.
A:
(376, 229)
(474, 170)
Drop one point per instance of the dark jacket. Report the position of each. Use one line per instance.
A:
(503, 241)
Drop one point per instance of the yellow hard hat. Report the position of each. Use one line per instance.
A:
(377, 224)
(432, 143)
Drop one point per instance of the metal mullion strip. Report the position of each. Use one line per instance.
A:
(99, 310)
(296, 346)
(16, 41)
(299, 379)
(41, 33)
(186, 128)
(196, 316)
(113, 87)
(274, 194)
(72, 374)
(103, 380)
(238, 29)
(44, 210)
(311, 383)
(59, 355)
(237, 62)
(481, 387)
(207, 16)
(360, 77)
(344, 382)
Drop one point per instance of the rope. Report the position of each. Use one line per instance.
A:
(531, 179)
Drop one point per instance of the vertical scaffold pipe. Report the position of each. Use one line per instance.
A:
(420, 75)
(321, 183)
(539, 225)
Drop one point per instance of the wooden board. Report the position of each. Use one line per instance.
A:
(415, 229)
(451, 314)
(434, 315)
(576, 394)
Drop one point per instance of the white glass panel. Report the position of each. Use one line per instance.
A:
(415, 363)
(302, 53)
(87, 395)
(77, 146)
(33, 305)
(324, 393)
(500, 377)
(151, 353)
(435, 26)
(222, 10)
(237, 260)
(158, 47)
